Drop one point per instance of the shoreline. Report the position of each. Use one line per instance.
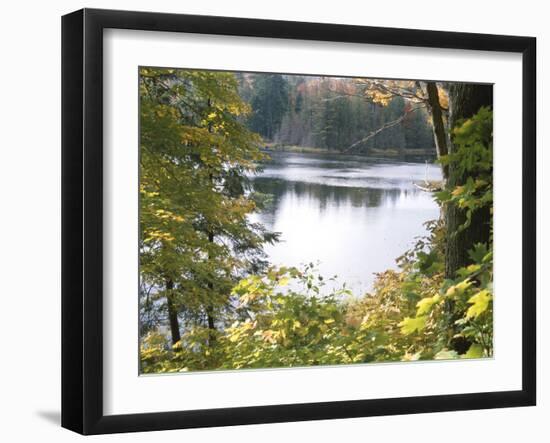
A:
(380, 153)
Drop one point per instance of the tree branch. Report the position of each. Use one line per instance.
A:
(440, 134)
(410, 94)
(381, 129)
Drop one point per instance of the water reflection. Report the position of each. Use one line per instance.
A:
(353, 215)
(327, 196)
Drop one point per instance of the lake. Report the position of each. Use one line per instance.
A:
(352, 215)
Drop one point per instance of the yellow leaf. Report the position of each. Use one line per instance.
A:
(480, 303)
(458, 190)
(459, 288)
(410, 325)
(284, 281)
(425, 305)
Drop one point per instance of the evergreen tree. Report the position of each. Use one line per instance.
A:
(269, 104)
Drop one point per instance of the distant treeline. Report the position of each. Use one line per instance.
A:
(330, 113)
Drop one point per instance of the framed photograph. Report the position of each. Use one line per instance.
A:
(269, 221)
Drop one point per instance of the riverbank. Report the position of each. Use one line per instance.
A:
(372, 152)
(296, 149)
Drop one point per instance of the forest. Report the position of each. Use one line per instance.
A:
(331, 113)
(211, 299)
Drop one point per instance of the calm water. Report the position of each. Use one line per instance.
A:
(353, 215)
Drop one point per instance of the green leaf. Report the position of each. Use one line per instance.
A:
(443, 196)
(475, 351)
(478, 252)
(480, 303)
(410, 325)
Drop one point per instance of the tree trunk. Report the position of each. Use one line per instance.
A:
(211, 322)
(440, 133)
(172, 312)
(210, 309)
(466, 100)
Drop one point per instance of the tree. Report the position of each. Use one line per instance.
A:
(466, 101)
(331, 113)
(195, 156)
(397, 102)
(269, 104)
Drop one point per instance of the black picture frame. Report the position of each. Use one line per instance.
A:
(82, 218)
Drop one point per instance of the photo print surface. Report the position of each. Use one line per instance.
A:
(299, 220)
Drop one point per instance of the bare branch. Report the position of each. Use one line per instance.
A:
(381, 129)
(428, 187)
